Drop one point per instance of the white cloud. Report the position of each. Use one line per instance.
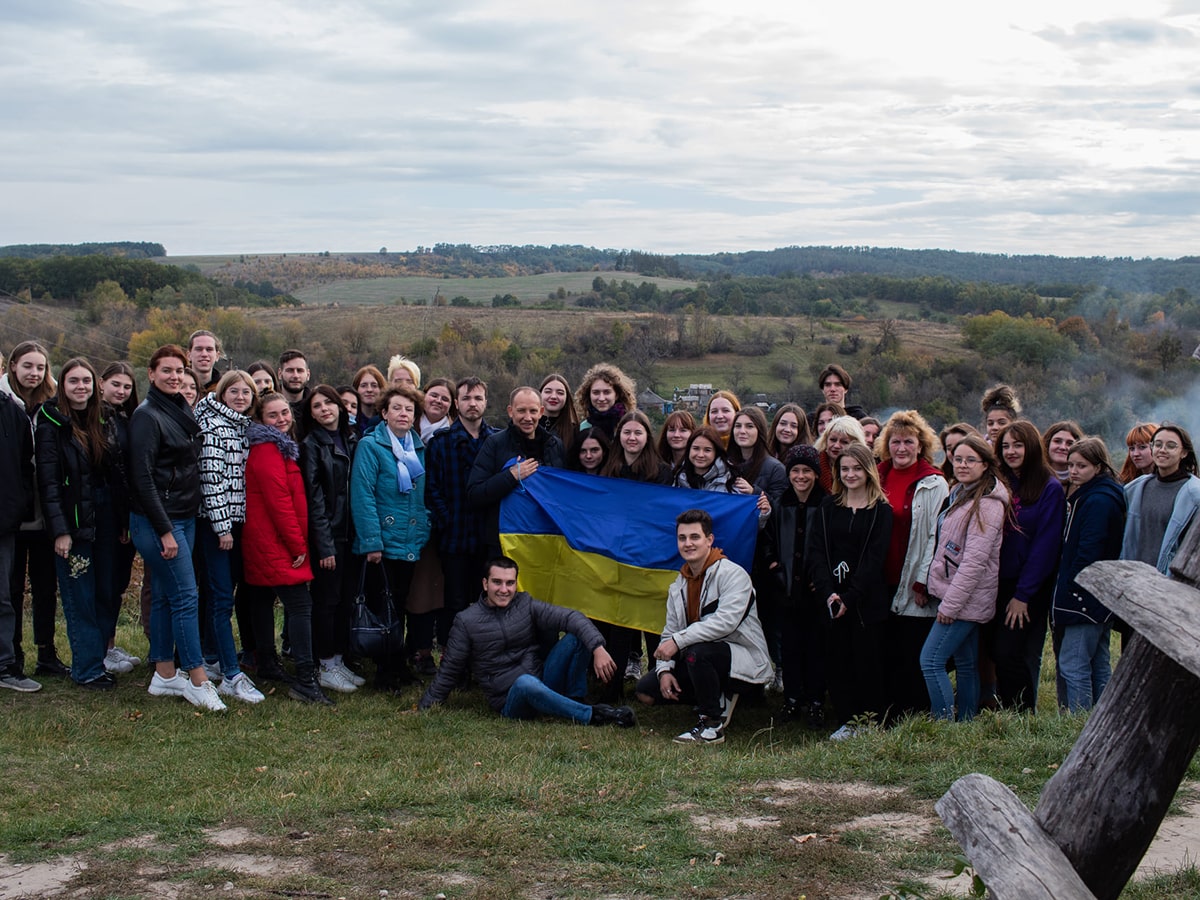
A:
(698, 126)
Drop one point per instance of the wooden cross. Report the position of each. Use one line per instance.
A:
(1099, 812)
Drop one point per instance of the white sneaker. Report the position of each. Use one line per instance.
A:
(129, 657)
(203, 695)
(708, 731)
(213, 670)
(168, 687)
(115, 664)
(353, 677)
(335, 680)
(844, 733)
(240, 687)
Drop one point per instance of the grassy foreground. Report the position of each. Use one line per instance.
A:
(287, 800)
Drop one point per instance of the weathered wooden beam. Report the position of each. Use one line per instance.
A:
(1105, 803)
(1013, 855)
(1186, 565)
(1165, 612)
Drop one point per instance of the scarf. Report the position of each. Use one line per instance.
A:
(408, 465)
(696, 582)
(606, 421)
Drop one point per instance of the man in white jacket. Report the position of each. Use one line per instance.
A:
(713, 644)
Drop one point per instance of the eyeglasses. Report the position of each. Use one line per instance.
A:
(1165, 445)
(967, 461)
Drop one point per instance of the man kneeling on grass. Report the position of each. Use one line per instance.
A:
(500, 639)
(713, 644)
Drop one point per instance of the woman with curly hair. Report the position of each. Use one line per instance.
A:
(607, 394)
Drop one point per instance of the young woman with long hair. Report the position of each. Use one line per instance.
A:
(326, 461)
(673, 436)
(277, 530)
(704, 467)
(758, 472)
(369, 382)
(950, 437)
(788, 429)
(263, 375)
(559, 416)
(824, 414)
(190, 387)
(224, 416)
(387, 505)
(839, 434)
(964, 577)
(1056, 442)
(589, 452)
(439, 411)
(118, 400)
(916, 490)
(28, 381)
(1162, 506)
(719, 413)
(83, 491)
(1028, 565)
(1095, 527)
(847, 546)
(164, 481)
(606, 393)
(635, 457)
(1139, 459)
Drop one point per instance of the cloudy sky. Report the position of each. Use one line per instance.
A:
(686, 126)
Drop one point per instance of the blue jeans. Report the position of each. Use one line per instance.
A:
(84, 578)
(174, 623)
(219, 569)
(960, 640)
(1083, 664)
(563, 676)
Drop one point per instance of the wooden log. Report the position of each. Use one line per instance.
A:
(1105, 803)
(1165, 612)
(1013, 855)
(1186, 565)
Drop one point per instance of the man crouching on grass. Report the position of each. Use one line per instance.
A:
(500, 637)
(713, 642)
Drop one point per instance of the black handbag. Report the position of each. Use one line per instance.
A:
(376, 636)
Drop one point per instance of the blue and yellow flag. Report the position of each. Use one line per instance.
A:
(606, 546)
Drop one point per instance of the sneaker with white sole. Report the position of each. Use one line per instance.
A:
(633, 669)
(168, 687)
(14, 679)
(707, 731)
(728, 703)
(335, 680)
(125, 655)
(352, 676)
(844, 733)
(240, 687)
(203, 696)
(114, 664)
(213, 670)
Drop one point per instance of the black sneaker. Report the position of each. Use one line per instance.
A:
(707, 731)
(48, 663)
(790, 711)
(103, 682)
(621, 716)
(271, 670)
(816, 715)
(309, 692)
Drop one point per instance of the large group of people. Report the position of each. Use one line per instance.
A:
(878, 573)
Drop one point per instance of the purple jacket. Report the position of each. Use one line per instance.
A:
(966, 565)
(1030, 555)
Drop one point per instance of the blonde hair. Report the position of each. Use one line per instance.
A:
(400, 361)
(907, 420)
(845, 425)
(862, 455)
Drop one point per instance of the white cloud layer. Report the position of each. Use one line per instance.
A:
(693, 126)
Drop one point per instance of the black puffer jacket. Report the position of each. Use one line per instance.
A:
(326, 471)
(491, 481)
(16, 464)
(502, 644)
(164, 473)
(65, 474)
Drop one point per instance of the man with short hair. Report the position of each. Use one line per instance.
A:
(500, 640)
(510, 456)
(835, 384)
(713, 646)
(204, 351)
(293, 378)
(449, 457)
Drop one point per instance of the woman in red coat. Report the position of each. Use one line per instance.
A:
(275, 536)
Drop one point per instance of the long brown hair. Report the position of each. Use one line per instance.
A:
(566, 423)
(44, 391)
(680, 416)
(1029, 483)
(749, 467)
(803, 431)
(645, 467)
(86, 424)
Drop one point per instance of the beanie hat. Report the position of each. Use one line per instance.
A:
(803, 455)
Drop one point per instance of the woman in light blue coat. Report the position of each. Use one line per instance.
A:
(1163, 505)
(387, 503)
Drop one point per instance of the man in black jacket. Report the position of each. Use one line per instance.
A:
(500, 638)
(509, 457)
(16, 487)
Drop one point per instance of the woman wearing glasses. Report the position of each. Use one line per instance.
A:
(1162, 505)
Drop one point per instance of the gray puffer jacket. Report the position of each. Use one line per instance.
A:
(502, 644)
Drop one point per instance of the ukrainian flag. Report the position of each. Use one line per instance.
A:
(606, 546)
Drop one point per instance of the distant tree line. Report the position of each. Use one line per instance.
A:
(130, 249)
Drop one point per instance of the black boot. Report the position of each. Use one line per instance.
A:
(621, 716)
(269, 668)
(309, 691)
(48, 662)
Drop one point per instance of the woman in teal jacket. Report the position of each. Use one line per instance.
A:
(387, 503)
